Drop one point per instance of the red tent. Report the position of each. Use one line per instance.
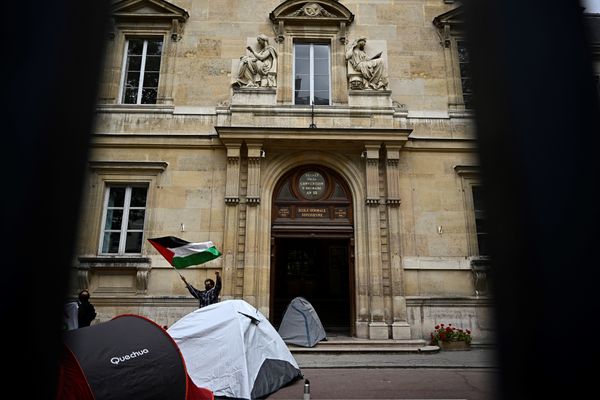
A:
(126, 357)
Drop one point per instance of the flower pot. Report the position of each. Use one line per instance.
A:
(457, 345)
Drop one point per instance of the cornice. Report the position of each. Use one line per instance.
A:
(372, 135)
(153, 167)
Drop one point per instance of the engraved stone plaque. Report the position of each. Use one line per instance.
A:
(311, 185)
(283, 212)
(312, 212)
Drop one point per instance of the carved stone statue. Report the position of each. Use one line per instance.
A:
(365, 72)
(259, 69)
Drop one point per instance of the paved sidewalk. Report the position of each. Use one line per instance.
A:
(473, 358)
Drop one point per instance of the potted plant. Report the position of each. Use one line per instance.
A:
(450, 337)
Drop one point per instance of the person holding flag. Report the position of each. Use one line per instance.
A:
(182, 254)
(211, 293)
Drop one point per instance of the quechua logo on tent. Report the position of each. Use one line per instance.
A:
(127, 357)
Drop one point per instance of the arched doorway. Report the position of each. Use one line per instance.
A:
(312, 246)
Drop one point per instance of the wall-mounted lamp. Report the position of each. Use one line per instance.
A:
(263, 154)
(182, 226)
(440, 230)
(363, 154)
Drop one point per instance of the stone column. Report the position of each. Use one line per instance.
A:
(251, 253)
(378, 329)
(400, 326)
(232, 201)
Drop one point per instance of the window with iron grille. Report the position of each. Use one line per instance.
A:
(465, 74)
(480, 221)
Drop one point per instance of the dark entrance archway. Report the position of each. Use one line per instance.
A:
(312, 246)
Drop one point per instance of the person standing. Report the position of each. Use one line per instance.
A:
(210, 294)
(85, 311)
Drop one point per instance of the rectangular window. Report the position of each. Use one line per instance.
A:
(465, 74)
(311, 71)
(123, 219)
(141, 68)
(480, 221)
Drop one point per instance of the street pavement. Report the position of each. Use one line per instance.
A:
(452, 375)
(473, 358)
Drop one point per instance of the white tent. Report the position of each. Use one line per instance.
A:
(301, 324)
(233, 350)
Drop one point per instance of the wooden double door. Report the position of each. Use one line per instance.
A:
(318, 269)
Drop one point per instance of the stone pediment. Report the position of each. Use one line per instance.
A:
(450, 23)
(311, 13)
(454, 18)
(303, 11)
(148, 10)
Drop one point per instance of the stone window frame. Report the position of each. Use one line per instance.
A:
(126, 173)
(470, 177)
(451, 30)
(142, 19)
(292, 25)
(123, 230)
(311, 76)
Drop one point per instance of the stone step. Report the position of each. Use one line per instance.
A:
(355, 345)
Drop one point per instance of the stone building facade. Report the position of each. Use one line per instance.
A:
(326, 147)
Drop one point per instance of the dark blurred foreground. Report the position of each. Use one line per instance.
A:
(537, 120)
(538, 126)
(51, 60)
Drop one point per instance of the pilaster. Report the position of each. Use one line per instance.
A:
(400, 326)
(251, 290)
(377, 327)
(232, 200)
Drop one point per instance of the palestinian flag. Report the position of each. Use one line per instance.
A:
(182, 254)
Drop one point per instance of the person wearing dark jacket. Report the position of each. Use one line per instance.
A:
(86, 311)
(211, 293)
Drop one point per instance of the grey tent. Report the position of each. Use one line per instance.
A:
(301, 324)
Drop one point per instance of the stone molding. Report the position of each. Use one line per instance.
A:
(449, 302)
(138, 167)
(467, 170)
(140, 265)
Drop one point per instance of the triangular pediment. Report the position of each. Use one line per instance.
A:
(454, 18)
(148, 9)
(305, 11)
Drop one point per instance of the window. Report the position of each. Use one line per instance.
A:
(480, 221)
(142, 40)
(465, 74)
(451, 29)
(141, 71)
(311, 74)
(123, 219)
